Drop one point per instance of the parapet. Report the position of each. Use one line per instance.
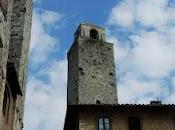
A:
(90, 31)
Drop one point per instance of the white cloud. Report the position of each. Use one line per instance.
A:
(145, 57)
(122, 14)
(46, 102)
(136, 91)
(42, 42)
(50, 17)
(152, 13)
(153, 55)
(170, 99)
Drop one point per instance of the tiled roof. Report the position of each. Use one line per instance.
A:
(124, 107)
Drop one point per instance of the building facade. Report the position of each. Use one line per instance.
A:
(92, 91)
(120, 117)
(15, 33)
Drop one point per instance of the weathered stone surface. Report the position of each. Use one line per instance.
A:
(15, 31)
(91, 73)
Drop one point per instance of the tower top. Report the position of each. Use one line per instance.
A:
(90, 31)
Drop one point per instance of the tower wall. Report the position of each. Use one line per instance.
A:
(72, 89)
(18, 50)
(96, 72)
(15, 30)
(91, 76)
(5, 9)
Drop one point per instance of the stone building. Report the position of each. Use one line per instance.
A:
(91, 68)
(15, 32)
(92, 91)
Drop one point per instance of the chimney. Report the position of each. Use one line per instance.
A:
(155, 102)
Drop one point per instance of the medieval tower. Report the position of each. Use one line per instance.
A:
(15, 31)
(92, 94)
(91, 68)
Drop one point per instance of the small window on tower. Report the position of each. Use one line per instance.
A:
(134, 123)
(1, 51)
(103, 123)
(94, 34)
(1, 45)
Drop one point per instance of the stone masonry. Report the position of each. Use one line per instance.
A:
(88, 120)
(15, 31)
(91, 68)
(150, 117)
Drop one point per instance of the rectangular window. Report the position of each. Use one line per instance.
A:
(103, 123)
(134, 123)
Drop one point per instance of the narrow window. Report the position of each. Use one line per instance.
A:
(9, 102)
(94, 34)
(134, 123)
(1, 50)
(6, 102)
(1, 45)
(103, 123)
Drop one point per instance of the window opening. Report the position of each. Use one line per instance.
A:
(94, 34)
(1, 45)
(98, 101)
(6, 102)
(104, 123)
(1, 50)
(134, 123)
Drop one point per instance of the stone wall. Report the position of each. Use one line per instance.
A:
(19, 49)
(91, 74)
(72, 96)
(96, 72)
(4, 46)
(15, 31)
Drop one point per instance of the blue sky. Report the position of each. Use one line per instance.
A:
(143, 35)
(76, 12)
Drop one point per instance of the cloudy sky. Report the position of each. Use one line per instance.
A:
(142, 31)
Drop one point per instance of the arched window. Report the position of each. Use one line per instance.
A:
(94, 34)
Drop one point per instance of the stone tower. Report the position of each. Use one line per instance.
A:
(91, 68)
(15, 31)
